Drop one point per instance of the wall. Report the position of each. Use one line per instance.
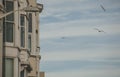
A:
(42, 74)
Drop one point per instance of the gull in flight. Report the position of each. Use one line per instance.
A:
(99, 30)
(62, 37)
(103, 8)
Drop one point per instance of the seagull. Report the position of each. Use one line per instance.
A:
(103, 8)
(99, 30)
(62, 37)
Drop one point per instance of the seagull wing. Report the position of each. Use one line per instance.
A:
(102, 7)
(103, 31)
(96, 29)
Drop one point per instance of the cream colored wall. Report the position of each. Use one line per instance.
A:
(35, 58)
(42, 74)
(33, 63)
(32, 2)
(16, 25)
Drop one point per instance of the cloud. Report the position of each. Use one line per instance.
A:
(53, 66)
(84, 52)
(86, 73)
(73, 21)
(68, 6)
(77, 28)
(78, 55)
(81, 48)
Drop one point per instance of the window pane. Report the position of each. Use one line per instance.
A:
(22, 73)
(22, 37)
(1, 25)
(9, 7)
(22, 20)
(22, 23)
(30, 23)
(4, 31)
(29, 42)
(9, 32)
(9, 67)
(8, 27)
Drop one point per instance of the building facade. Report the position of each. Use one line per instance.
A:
(42, 74)
(20, 30)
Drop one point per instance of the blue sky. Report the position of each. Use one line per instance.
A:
(70, 44)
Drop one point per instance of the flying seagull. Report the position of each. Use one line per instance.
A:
(99, 30)
(103, 8)
(62, 37)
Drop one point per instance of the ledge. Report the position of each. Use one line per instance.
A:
(40, 7)
(38, 56)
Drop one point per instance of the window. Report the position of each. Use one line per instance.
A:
(37, 38)
(22, 24)
(29, 42)
(22, 73)
(9, 7)
(9, 67)
(30, 23)
(30, 32)
(8, 21)
(0, 25)
(9, 32)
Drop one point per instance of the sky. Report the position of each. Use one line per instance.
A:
(80, 38)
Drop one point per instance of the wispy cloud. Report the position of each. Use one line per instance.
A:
(86, 73)
(76, 28)
(79, 55)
